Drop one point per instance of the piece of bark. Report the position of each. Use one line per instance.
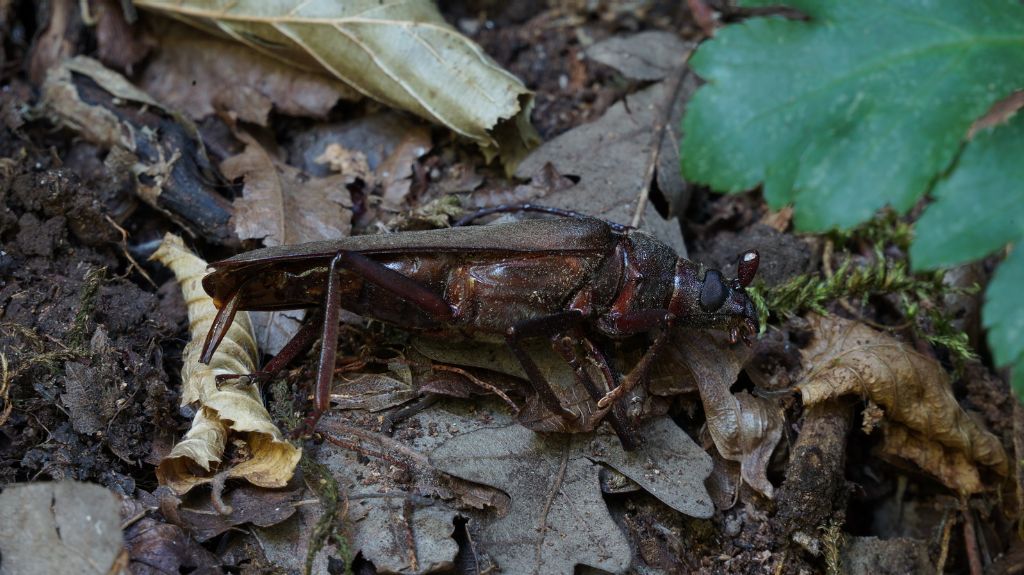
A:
(154, 147)
(814, 480)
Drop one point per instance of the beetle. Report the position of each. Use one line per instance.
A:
(572, 278)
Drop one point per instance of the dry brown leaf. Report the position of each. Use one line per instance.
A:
(618, 158)
(283, 206)
(199, 74)
(232, 409)
(847, 357)
(744, 428)
(399, 52)
(156, 150)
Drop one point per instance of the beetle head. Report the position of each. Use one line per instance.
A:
(726, 305)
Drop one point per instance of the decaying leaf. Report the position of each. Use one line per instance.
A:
(618, 157)
(387, 519)
(159, 548)
(924, 423)
(401, 53)
(149, 146)
(532, 414)
(199, 74)
(281, 205)
(744, 428)
(392, 169)
(205, 518)
(60, 528)
(234, 408)
(274, 329)
(372, 392)
(557, 518)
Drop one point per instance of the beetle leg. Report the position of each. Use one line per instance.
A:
(221, 324)
(400, 285)
(639, 371)
(617, 415)
(381, 276)
(542, 327)
(298, 344)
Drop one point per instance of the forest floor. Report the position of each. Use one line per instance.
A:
(92, 338)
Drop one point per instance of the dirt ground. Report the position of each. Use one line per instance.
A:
(92, 336)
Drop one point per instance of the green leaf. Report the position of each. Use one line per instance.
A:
(979, 208)
(1003, 316)
(861, 106)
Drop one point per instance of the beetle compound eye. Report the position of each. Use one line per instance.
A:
(713, 292)
(748, 267)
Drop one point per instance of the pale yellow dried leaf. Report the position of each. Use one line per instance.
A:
(847, 357)
(399, 52)
(231, 409)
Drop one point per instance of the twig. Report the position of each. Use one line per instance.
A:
(948, 520)
(127, 254)
(556, 486)
(970, 539)
(5, 388)
(674, 83)
(481, 383)
(386, 447)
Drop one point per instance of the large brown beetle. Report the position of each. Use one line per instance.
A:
(570, 277)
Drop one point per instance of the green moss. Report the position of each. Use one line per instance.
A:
(920, 296)
(94, 278)
(330, 527)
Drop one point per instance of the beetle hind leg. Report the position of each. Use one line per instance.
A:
(381, 276)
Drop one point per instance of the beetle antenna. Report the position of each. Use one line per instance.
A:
(748, 267)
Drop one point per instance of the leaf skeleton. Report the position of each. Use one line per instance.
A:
(568, 278)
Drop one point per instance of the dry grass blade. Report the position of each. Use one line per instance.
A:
(231, 410)
(925, 424)
(399, 52)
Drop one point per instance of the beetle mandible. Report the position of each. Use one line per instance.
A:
(552, 278)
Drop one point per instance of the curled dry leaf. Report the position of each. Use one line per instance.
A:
(233, 409)
(155, 149)
(925, 424)
(401, 53)
(744, 428)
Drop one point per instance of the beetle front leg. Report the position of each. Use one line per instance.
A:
(298, 344)
(617, 415)
(641, 321)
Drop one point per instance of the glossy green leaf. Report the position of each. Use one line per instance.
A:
(859, 106)
(1003, 316)
(979, 208)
